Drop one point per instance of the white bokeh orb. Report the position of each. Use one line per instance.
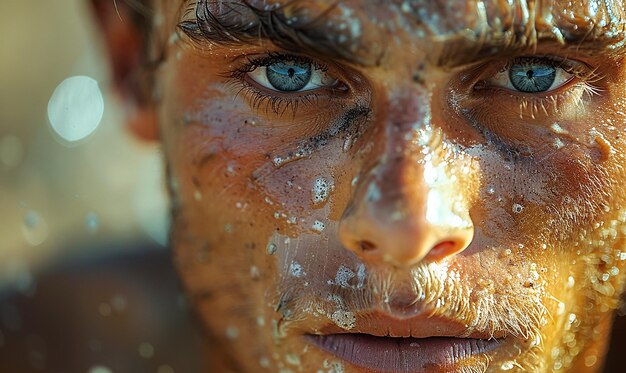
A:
(76, 108)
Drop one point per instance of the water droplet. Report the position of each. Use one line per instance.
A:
(591, 360)
(296, 270)
(264, 362)
(76, 108)
(507, 365)
(318, 226)
(232, 332)
(320, 191)
(558, 143)
(271, 248)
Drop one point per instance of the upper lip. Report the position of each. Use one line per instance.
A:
(421, 325)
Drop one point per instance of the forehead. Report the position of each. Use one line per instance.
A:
(445, 17)
(365, 31)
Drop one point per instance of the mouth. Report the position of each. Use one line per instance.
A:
(401, 355)
(408, 345)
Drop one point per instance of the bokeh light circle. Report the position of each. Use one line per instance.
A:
(76, 108)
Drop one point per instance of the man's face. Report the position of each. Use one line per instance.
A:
(397, 186)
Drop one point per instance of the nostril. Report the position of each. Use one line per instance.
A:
(442, 249)
(366, 246)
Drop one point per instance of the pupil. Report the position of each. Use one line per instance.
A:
(532, 76)
(289, 76)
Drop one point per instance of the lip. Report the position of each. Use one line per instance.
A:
(421, 325)
(401, 355)
(381, 342)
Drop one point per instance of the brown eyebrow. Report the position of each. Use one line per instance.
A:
(238, 22)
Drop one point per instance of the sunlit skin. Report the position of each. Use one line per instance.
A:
(413, 195)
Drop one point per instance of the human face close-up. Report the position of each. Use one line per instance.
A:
(403, 186)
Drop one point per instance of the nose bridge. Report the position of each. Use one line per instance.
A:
(403, 208)
(395, 184)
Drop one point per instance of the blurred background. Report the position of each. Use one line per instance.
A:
(85, 279)
(65, 188)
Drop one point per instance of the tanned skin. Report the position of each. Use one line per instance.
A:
(410, 192)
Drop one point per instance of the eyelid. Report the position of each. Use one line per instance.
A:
(277, 101)
(577, 69)
(259, 75)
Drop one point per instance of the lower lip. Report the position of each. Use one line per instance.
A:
(401, 355)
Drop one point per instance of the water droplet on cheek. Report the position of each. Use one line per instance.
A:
(232, 332)
(318, 226)
(321, 190)
(517, 208)
(271, 249)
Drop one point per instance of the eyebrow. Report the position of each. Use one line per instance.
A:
(238, 23)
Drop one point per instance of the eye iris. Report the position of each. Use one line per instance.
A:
(288, 76)
(532, 77)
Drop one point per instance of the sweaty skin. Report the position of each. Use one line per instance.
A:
(412, 196)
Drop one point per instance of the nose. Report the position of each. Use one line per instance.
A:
(411, 205)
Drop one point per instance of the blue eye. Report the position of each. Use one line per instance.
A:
(288, 76)
(535, 74)
(532, 77)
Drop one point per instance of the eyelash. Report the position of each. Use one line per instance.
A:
(277, 102)
(535, 103)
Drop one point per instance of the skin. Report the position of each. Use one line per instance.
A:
(441, 195)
